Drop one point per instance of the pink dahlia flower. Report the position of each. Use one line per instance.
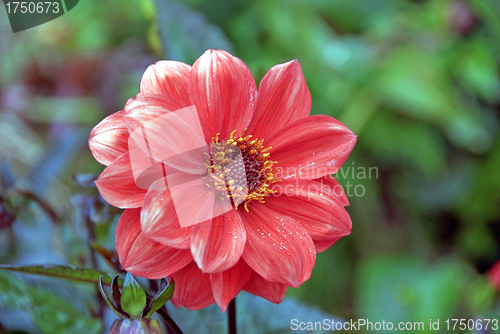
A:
(252, 207)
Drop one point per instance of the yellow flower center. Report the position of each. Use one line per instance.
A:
(240, 169)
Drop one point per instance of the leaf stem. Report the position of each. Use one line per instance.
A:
(231, 317)
(43, 204)
(93, 261)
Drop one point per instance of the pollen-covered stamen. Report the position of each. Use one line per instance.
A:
(240, 169)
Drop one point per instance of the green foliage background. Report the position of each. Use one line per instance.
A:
(417, 81)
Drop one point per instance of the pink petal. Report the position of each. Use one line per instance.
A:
(217, 244)
(323, 245)
(283, 98)
(227, 285)
(117, 185)
(223, 90)
(310, 203)
(174, 138)
(159, 220)
(167, 77)
(335, 188)
(167, 131)
(311, 147)
(142, 256)
(193, 289)
(145, 108)
(108, 139)
(278, 248)
(147, 171)
(272, 291)
(195, 202)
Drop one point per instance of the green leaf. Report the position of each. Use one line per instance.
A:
(115, 307)
(115, 292)
(410, 289)
(66, 272)
(54, 315)
(51, 314)
(414, 144)
(480, 296)
(12, 292)
(162, 296)
(133, 298)
(475, 65)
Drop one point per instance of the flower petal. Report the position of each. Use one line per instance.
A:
(227, 285)
(192, 288)
(310, 203)
(147, 171)
(278, 248)
(223, 90)
(174, 138)
(145, 108)
(283, 98)
(142, 256)
(167, 131)
(311, 147)
(272, 291)
(117, 185)
(159, 220)
(167, 77)
(217, 244)
(109, 139)
(334, 188)
(195, 202)
(323, 245)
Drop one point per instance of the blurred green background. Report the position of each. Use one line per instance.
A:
(417, 81)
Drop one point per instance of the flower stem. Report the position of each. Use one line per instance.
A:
(171, 325)
(231, 317)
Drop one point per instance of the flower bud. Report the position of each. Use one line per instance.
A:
(136, 326)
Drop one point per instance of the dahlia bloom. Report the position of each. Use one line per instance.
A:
(264, 229)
